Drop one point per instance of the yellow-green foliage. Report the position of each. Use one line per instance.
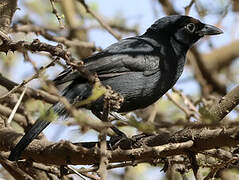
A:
(40, 109)
(48, 115)
(145, 127)
(205, 114)
(97, 91)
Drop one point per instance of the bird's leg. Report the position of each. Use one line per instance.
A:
(115, 129)
(118, 132)
(115, 139)
(112, 102)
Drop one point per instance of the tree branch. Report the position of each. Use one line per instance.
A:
(7, 9)
(225, 105)
(146, 148)
(221, 57)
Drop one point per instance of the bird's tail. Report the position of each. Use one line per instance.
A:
(33, 132)
(70, 93)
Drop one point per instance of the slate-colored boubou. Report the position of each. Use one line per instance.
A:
(141, 69)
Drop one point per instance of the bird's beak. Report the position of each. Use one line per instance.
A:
(209, 30)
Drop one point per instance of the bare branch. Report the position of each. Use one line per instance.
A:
(225, 105)
(100, 20)
(147, 148)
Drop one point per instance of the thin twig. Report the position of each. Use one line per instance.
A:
(214, 169)
(187, 101)
(24, 82)
(188, 7)
(100, 20)
(190, 111)
(46, 33)
(15, 107)
(54, 11)
(20, 119)
(113, 166)
(185, 110)
(76, 172)
(33, 93)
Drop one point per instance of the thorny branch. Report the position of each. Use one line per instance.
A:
(46, 33)
(34, 93)
(225, 105)
(37, 75)
(147, 148)
(58, 51)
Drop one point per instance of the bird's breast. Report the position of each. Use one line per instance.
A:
(171, 66)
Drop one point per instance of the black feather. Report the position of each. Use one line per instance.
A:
(141, 69)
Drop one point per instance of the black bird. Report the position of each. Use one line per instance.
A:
(140, 68)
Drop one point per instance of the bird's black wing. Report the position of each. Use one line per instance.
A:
(119, 58)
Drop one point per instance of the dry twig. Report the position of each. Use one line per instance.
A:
(100, 20)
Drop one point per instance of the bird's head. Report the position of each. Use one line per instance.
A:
(183, 29)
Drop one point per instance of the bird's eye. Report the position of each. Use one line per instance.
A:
(190, 27)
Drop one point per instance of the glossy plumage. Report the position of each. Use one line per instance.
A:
(141, 68)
